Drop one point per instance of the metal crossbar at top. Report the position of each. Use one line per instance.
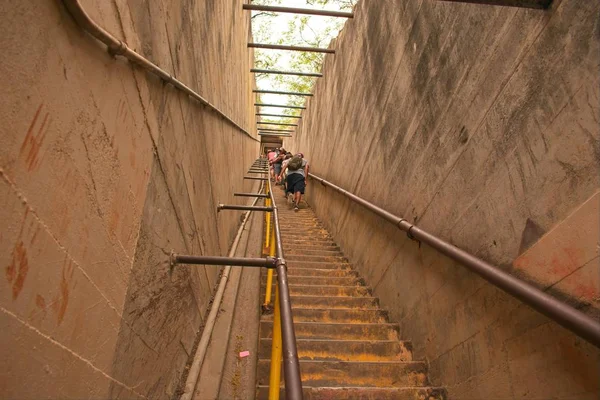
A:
(291, 10)
(298, 73)
(275, 123)
(280, 92)
(538, 4)
(278, 115)
(291, 48)
(279, 105)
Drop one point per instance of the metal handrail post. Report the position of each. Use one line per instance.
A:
(276, 350)
(291, 363)
(565, 315)
(269, 274)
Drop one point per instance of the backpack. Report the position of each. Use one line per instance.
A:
(295, 163)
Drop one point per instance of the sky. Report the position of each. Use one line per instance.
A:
(276, 27)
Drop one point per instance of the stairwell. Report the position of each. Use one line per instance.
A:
(347, 346)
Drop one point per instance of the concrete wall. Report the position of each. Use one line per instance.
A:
(480, 124)
(104, 171)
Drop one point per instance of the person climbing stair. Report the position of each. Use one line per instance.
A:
(297, 171)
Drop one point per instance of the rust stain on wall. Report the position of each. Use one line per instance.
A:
(16, 272)
(61, 301)
(32, 144)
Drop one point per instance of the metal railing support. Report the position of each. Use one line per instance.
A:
(267, 305)
(284, 93)
(292, 48)
(278, 115)
(291, 364)
(277, 130)
(298, 73)
(275, 123)
(255, 178)
(276, 350)
(307, 11)
(565, 315)
(251, 195)
(267, 262)
(280, 106)
(243, 208)
(537, 4)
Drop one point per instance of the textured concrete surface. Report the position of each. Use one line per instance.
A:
(480, 124)
(103, 171)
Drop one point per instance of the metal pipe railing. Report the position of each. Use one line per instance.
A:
(291, 365)
(567, 316)
(298, 73)
(292, 48)
(267, 262)
(118, 47)
(307, 11)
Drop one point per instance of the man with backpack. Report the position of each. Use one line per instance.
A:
(297, 171)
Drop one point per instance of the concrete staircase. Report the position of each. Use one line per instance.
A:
(348, 349)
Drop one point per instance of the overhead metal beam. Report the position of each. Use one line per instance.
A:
(539, 4)
(274, 123)
(297, 73)
(276, 130)
(291, 10)
(275, 134)
(280, 106)
(292, 48)
(286, 93)
(279, 115)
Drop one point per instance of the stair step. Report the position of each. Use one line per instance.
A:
(355, 373)
(331, 331)
(321, 290)
(317, 272)
(344, 266)
(301, 240)
(361, 303)
(363, 393)
(339, 315)
(300, 252)
(329, 247)
(321, 280)
(345, 350)
(332, 259)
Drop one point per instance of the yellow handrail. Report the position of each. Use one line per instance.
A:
(275, 376)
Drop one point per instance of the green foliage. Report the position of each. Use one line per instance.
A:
(301, 30)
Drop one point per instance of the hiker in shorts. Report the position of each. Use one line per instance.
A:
(297, 171)
(272, 155)
(277, 162)
(286, 160)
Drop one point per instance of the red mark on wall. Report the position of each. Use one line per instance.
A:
(61, 301)
(16, 272)
(40, 302)
(34, 139)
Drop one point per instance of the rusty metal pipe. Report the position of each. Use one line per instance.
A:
(256, 178)
(243, 208)
(276, 130)
(262, 195)
(292, 48)
(291, 365)
(279, 115)
(307, 11)
(565, 315)
(536, 4)
(118, 47)
(285, 93)
(267, 262)
(275, 123)
(280, 106)
(297, 73)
